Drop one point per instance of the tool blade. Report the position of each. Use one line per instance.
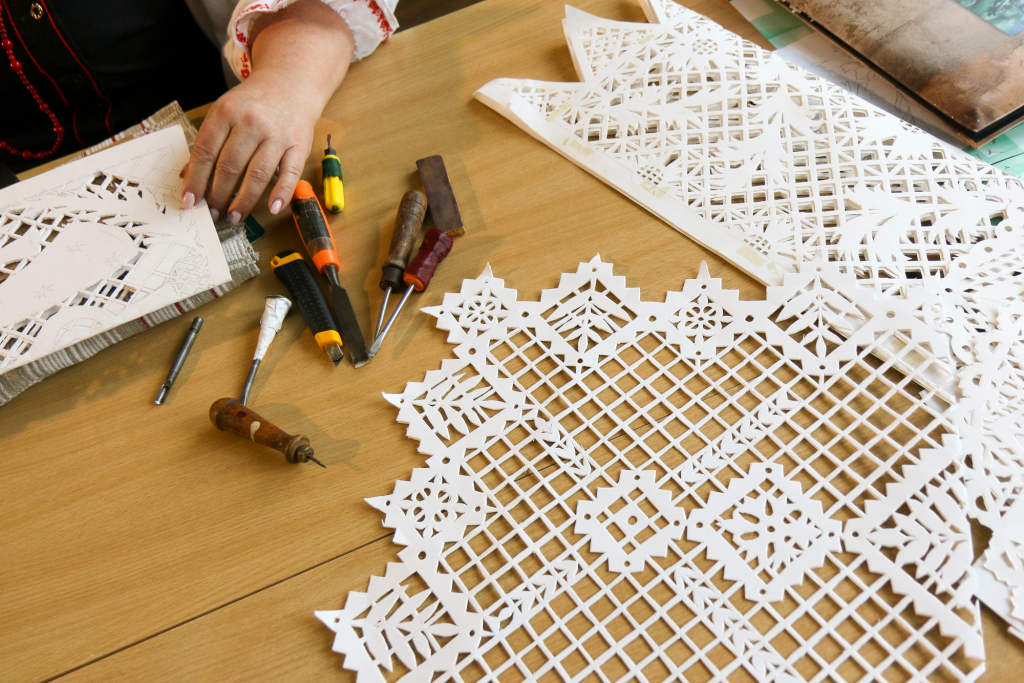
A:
(375, 347)
(348, 325)
(444, 208)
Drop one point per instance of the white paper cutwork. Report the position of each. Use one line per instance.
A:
(764, 524)
(758, 160)
(631, 523)
(770, 165)
(99, 242)
(701, 488)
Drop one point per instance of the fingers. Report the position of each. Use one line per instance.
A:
(212, 135)
(260, 171)
(289, 172)
(230, 167)
(244, 139)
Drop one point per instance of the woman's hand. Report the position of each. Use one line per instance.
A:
(300, 56)
(256, 127)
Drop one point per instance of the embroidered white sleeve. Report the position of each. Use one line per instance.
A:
(371, 22)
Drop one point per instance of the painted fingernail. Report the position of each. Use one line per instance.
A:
(234, 217)
(214, 214)
(276, 206)
(190, 200)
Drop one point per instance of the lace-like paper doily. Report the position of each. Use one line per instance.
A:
(703, 487)
(769, 165)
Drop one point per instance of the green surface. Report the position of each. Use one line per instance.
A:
(253, 230)
(781, 27)
(1006, 15)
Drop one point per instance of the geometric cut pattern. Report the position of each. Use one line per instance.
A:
(758, 160)
(771, 166)
(601, 502)
(98, 242)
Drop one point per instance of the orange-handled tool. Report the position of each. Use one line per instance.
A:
(313, 227)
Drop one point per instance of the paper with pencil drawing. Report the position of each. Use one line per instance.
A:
(98, 242)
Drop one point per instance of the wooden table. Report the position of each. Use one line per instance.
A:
(139, 543)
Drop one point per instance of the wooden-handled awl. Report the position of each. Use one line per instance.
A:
(230, 415)
(408, 222)
(437, 243)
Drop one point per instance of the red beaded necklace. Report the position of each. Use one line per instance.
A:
(8, 47)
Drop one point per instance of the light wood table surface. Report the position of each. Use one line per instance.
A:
(138, 543)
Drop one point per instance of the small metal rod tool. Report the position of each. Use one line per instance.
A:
(179, 360)
(274, 311)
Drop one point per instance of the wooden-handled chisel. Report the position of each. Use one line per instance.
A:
(437, 243)
(316, 234)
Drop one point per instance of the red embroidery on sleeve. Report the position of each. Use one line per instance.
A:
(243, 38)
(240, 35)
(385, 27)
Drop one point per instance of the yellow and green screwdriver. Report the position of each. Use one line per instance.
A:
(334, 188)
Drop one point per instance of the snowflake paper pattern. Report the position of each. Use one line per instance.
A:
(433, 503)
(631, 523)
(785, 506)
(764, 525)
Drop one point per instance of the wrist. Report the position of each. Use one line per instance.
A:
(307, 37)
(303, 91)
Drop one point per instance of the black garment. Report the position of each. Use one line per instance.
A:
(102, 66)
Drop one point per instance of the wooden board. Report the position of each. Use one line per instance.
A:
(965, 69)
(141, 544)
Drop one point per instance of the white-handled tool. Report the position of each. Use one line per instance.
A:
(274, 311)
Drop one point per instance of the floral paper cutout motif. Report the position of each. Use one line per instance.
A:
(561, 447)
(420, 632)
(432, 504)
(776, 531)
(481, 306)
(99, 242)
(836, 485)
